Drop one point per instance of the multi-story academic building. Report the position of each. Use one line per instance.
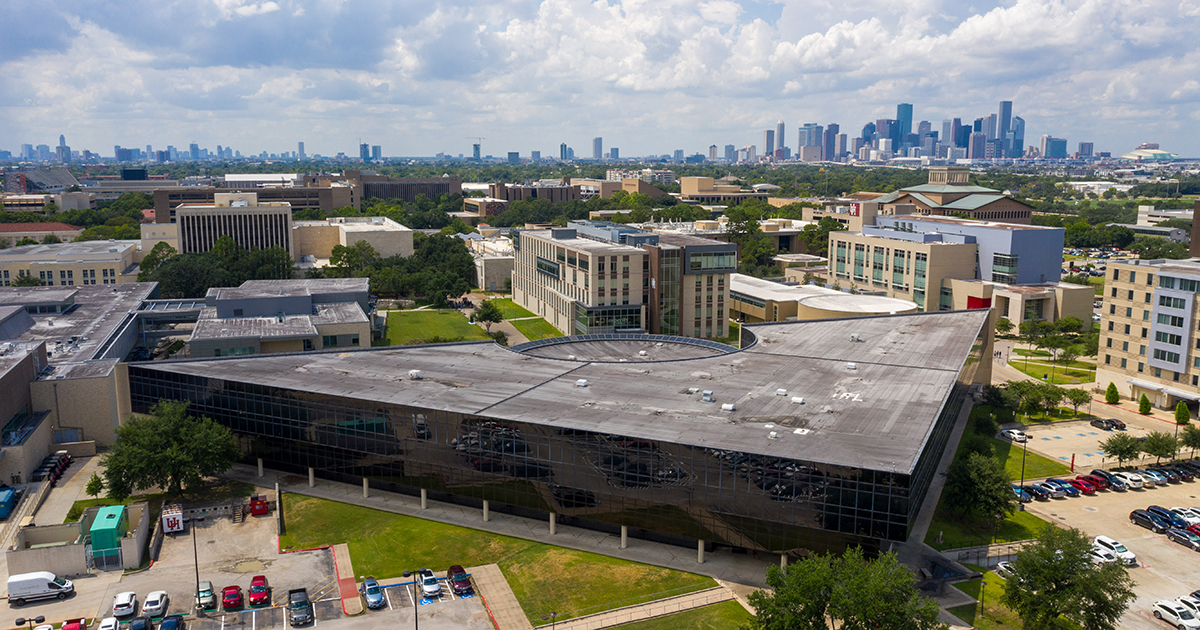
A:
(252, 224)
(71, 264)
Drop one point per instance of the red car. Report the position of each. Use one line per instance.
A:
(260, 591)
(1195, 529)
(1083, 486)
(231, 597)
(1100, 483)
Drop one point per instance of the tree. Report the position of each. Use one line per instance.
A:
(1182, 415)
(1078, 397)
(349, 262)
(51, 239)
(1111, 395)
(1144, 405)
(25, 241)
(169, 449)
(1191, 438)
(848, 591)
(1004, 326)
(1122, 446)
(27, 281)
(487, 313)
(979, 484)
(159, 253)
(1050, 395)
(1160, 444)
(1054, 577)
(95, 486)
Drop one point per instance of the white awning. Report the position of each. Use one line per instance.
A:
(1178, 393)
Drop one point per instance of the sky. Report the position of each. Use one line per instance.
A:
(420, 77)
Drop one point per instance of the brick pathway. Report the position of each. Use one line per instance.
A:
(352, 604)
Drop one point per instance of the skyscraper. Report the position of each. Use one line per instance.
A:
(989, 126)
(364, 152)
(26, 151)
(830, 151)
(730, 153)
(868, 133)
(194, 151)
(300, 151)
(780, 138)
(1004, 124)
(614, 153)
(1018, 133)
(977, 148)
(768, 142)
(597, 148)
(904, 115)
(535, 156)
(924, 128)
(475, 151)
(1085, 149)
(679, 155)
(712, 152)
(376, 152)
(885, 128)
(562, 152)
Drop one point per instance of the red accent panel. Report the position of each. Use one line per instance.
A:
(974, 302)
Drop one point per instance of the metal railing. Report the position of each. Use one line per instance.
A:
(561, 617)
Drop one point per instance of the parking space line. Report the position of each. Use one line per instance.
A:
(387, 598)
(410, 596)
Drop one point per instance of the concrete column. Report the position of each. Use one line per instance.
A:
(553, 523)
(699, 552)
(782, 561)
(624, 536)
(366, 488)
(424, 498)
(312, 478)
(485, 511)
(260, 467)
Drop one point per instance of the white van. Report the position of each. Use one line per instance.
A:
(28, 587)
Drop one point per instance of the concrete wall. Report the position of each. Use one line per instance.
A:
(289, 345)
(69, 560)
(97, 405)
(491, 272)
(19, 461)
(134, 548)
(344, 331)
(313, 238)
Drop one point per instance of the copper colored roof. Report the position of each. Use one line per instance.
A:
(38, 227)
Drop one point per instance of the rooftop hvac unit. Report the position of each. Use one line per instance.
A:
(781, 392)
(774, 435)
(571, 357)
(641, 353)
(414, 375)
(851, 366)
(707, 396)
(797, 400)
(855, 337)
(581, 383)
(727, 407)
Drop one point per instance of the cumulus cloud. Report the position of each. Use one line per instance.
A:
(418, 77)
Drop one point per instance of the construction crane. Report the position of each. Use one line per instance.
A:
(478, 145)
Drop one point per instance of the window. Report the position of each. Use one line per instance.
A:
(1126, 329)
(1168, 338)
(1171, 302)
(1108, 359)
(237, 312)
(1124, 363)
(354, 340)
(1132, 276)
(1110, 326)
(1128, 311)
(1170, 320)
(1166, 283)
(1141, 367)
(1114, 292)
(1112, 309)
(1125, 346)
(1116, 274)
(1169, 357)
(1109, 344)
(1130, 295)
(329, 341)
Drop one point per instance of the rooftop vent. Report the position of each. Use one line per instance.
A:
(781, 392)
(797, 400)
(414, 375)
(581, 383)
(571, 357)
(727, 407)
(801, 431)
(855, 337)
(641, 353)
(658, 345)
(707, 396)
(773, 435)
(851, 366)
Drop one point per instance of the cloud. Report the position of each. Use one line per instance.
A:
(418, 76)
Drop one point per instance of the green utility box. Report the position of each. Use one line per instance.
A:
(109, 528)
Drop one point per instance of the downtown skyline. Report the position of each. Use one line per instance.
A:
(526, 76)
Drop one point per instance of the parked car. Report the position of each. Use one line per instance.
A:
(1148, 481)
(1175, 614)
(231, 597)
(430, 586)
(1172, 476)
(1149, 520)
(372, 594)
(1159, 478)
(1082, 485)
(1133, 481)
(1014, 435)
(125, 604)
(1022, 496)
(1185, 538)
(459, 581)
(205, 599)
(1116, 548)
(1188, 514)
(1168, 516)
(260, 591)
(1005, 569)
(1184, 472)
(1099, 482)
(1189, 602)
(1036, 492)
(1101, 556)
(171, 622)
(1114, 482)
(1064, 485)
(141, 623)
(1055, 491)
(155, 604)
(300, 609)
(109, 623)
(1107, 424)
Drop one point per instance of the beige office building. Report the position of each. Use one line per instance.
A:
(251, 224)
(1150, 331)
(71, 264)
(580, 286)
(13, 233)
(904, 269)
(315, 240)
(702, 190)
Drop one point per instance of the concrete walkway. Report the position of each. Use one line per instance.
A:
(67, 492)
(352, 604)
(723, 564)
(647, 611)
(499, 599)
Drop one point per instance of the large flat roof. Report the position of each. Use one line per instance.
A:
(69, 252)
(877, 414)
(99, 309)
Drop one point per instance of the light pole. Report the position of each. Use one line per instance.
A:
(982, 596)
(551, 617)
(31, 620)
(196, 558)
(1024, 452)
(416, 598)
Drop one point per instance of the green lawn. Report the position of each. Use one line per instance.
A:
(510, 309)
(734, 335)
(543, 577)
(958, 532)
(723, 616)
(1098, 283)
(409, 327)
(535, 329)
(997, 616)
(212, 492)
(1036, 466)
(1060, 376)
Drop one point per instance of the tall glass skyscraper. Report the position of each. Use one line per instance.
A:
(904, 118)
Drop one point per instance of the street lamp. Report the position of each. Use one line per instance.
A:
(551, 617)
(417, 599)
(196, 558)
(982, 596)
(1024, 452)
(31, 620)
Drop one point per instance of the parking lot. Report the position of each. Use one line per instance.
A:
(1165, 569)
(1062, 440)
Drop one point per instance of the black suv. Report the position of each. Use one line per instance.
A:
(1153, 522)
(1114, 482)
(1104, 424)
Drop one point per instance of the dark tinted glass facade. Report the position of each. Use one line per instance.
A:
(661, 490)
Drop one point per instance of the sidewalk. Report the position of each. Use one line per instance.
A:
(67, 492)
(646, 611)
(499, 599)
(723, 565)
